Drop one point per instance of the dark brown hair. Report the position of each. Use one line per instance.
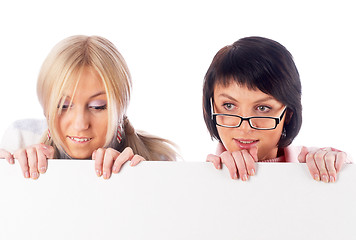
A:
(258, 63)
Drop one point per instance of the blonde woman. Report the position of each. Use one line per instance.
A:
(84, 88)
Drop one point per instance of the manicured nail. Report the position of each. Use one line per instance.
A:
(325, 178)
(27, 174)
(34, 175)
(114, 169)
(252, 172)
(244, 177)
(42, 169)
(105, 175)
(98, 173)
(332, 179)
(316, 177)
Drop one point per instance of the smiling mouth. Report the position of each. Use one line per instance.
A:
(80, 139)
(246, 143)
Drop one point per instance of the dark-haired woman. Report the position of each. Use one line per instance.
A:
(252, 106)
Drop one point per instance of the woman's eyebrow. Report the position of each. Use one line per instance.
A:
(97, 94)
(269, 98)
(227, 96)
(264, 99)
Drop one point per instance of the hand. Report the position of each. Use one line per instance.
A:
(109, 160)
(33, 160)
(8, 156)
(240, 163)
(323, 164)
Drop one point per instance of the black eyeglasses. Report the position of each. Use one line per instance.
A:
(235, 121)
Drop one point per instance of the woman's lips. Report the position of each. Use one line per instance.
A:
(79, 139)
(246, 143)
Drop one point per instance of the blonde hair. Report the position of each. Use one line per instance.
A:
(61, 70)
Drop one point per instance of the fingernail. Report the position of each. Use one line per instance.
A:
(98, 173)
(235, 176)
(316, 177)
(332, 179)
(244, 177)
(27, 174)
(34, 175)
(105, 175)
(114, 169)
(218, 166)
(11, 161)
(42, 169)
(325, 178)
(252, 172)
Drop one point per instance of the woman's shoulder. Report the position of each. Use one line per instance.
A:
(31, 125)
(22, 133)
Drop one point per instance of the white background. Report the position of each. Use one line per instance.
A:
(169, 45)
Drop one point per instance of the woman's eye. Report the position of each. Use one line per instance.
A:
(102, 107)
(263, 108)
(65, 106)
(228, 106)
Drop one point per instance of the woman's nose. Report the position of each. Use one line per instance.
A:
(245, 125)
(80, 120)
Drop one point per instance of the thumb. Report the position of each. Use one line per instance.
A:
(48, 151)
(253, 151)
(302, 155)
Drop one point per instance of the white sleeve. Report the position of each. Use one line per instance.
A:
(23, 133)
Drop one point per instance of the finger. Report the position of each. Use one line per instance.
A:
(249, 162)
(125, 156)
(47, 150)
(21, 156)
(136, 160)
(313, 169)
(93, 155)
(330, 159)
(99, 159)
(228, 160)
(32, 162)
(302, 157)
(8, 156)
(340, 161)
(253, 151)
(319, 158)
(42, 160)
(240, 164)
(110, 156)
(215, 160)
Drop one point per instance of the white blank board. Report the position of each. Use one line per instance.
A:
(175, 200)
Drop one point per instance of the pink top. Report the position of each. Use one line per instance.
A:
(291, 154)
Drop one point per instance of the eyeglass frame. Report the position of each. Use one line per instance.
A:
(213, 117)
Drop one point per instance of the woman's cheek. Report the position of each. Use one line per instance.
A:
(227, 139)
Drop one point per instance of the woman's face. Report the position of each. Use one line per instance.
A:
(82, 125)
(239, 100)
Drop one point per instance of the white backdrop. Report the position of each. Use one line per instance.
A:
(169, 45)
